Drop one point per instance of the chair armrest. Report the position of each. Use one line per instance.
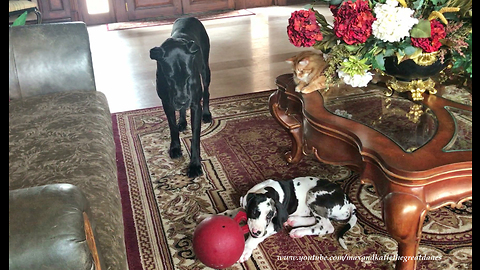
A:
(49, 58)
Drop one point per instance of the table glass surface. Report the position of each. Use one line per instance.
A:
(409, 124)
(462, 138)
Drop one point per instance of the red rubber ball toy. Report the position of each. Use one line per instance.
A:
(218, 241)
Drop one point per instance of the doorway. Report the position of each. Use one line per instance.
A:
(97, 11)
(94, 12)
(141, 9)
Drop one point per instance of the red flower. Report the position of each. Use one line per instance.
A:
(334, 9)
(303, 29)
(431, 44)
(353, 22)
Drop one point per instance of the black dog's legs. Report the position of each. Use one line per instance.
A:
(195, 167)
(206, 115)
(182, 122)
(175, 150)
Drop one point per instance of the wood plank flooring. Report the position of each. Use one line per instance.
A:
(247, 54)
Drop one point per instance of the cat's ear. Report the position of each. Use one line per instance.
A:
(290, 60)
(304, 62)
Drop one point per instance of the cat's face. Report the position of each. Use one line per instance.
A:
(302, 71)
(305, 64)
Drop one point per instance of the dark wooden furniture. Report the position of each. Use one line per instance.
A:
(57, 10)
(417, 154)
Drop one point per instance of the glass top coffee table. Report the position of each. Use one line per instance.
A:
(418, 155)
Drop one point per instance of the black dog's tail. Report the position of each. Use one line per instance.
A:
(351, 222)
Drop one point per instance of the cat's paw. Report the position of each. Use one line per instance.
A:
(298, 89)
(308, 90)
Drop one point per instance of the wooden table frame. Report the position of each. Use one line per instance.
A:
(408, 184)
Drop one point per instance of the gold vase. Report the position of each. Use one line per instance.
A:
(414, 74)
(416, 87)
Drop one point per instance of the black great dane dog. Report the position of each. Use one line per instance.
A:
(183, 78)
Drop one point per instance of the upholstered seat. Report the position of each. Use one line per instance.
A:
(51, 228)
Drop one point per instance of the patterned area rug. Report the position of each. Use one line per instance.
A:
(170, 20)
(240, 148)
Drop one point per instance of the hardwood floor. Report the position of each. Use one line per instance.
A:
(247, 54)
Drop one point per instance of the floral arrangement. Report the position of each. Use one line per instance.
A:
(364, 32)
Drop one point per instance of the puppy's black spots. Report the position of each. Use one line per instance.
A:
(313, 230)
(253, 200)
(270, 215)
(298, 184)
(331, 195)
(311, 178)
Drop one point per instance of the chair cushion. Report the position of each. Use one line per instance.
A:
(49, 228)
(20, 5)
(67, 138)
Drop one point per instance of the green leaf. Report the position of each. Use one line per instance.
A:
(410, 50)
(417, 4)
(21, 19)
(389, 52)
(351, 48)
(421, 30)
(378, 62)
(335, 2)
(308, 6)
(321, 20)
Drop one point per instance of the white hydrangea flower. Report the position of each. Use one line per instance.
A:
(356, 80)
(393, 23)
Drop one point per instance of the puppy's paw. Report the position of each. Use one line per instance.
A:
(297, 233)
(194, 170)
(247, 252)
(175, 152)
(289, 223)
(295, 221)
(207, 117)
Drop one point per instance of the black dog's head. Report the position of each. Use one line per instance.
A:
(175, 57)
(261, 211)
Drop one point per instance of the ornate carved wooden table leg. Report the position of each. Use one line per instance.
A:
(403, 215)
(283, 110)
(408, 183)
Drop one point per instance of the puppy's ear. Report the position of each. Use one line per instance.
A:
(192, 47)
(281, 217)
(245, 200)
(156, 53)
(242, 202)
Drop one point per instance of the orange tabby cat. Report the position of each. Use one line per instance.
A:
(308, 70)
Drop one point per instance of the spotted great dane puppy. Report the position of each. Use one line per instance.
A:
(305, 203)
